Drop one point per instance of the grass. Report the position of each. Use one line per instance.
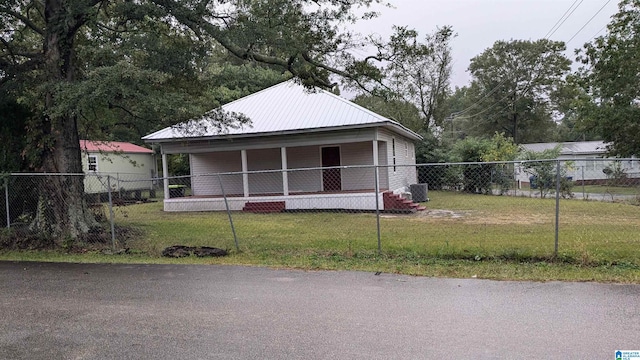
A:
(604, 189)
(496, 237)
(594, 189)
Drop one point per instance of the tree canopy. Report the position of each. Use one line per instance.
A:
(610, 80)
(82, 66)
(512, 89)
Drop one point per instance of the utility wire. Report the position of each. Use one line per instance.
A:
(549, 33)
(561, 21)
(587, 23)
(596, 34)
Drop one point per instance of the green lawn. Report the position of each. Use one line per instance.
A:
(603, 189)
(460, 235)
(595, 189)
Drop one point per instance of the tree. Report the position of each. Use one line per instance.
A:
(512, 86)
(13, 117)
(456, 126)
(543, 171)
(80, 62)
(479, 177)
(414, 72)
(569, 98)
(611, 79)
(399, 110)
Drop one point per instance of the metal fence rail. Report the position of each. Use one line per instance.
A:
(471, 201)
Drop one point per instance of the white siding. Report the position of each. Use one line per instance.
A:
(357, 154)
(355, 201)
(203, 165)
(265, 159)
(383, 172)
(403, 173)
(304, 180)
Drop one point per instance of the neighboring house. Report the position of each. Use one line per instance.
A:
(130, 167)
(588, 160)
(292, 129)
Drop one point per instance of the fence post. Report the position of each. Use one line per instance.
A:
(226, 204)
(377, 191)
(6, 200)
(113, 229)
(584, 197)
(555, 249)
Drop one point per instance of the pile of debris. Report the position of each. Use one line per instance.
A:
(178, 251)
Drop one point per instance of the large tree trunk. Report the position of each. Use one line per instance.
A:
(62, 210)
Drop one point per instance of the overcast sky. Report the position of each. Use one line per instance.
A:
(479, 23)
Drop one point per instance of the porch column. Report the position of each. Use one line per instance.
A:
(376, 163)
(245, 175)
(376, 179)
(285, 177)
(165, 174)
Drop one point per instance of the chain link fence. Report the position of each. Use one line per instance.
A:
(582, 208)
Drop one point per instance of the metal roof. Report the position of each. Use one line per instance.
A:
(570, 148)
(112, 146)
(285, 108)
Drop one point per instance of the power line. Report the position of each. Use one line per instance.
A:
(560, 21)
(596, 34)
(553, 29)
(549, 33)
(587, 23)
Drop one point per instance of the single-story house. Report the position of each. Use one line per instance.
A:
(588, 161)
(302, 149)
(129, 166)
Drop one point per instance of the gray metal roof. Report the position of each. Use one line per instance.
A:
(570, 148)
(286, 108)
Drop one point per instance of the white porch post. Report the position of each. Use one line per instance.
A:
(285, 177)
(245, 175)
(165, 174)
(376, 171)
(376, 163)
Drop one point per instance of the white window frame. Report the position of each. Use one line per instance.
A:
(94, 164)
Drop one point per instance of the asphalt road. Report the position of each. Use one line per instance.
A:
(73, 311)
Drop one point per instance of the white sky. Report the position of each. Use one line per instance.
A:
(479, 23)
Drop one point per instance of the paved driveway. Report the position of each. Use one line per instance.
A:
(73, 311)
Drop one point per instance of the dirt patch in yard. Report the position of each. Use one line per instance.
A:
(431, 214)
(477, 217)
(522, 219)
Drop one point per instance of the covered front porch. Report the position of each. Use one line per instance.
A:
(317, 171)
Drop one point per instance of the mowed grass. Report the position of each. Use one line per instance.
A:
(461, 235)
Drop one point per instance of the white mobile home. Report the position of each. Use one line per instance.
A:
(588, 161)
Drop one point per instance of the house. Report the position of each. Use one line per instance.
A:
(588, 161)
(130, 167)
(301, 150)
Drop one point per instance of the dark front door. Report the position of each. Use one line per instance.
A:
(331, 178)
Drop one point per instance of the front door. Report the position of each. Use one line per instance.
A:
(331, 178)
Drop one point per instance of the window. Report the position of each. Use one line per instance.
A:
(406, 149)
(393, 153)
(93, 163)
